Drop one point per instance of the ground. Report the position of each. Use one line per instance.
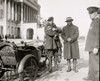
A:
(61, 74)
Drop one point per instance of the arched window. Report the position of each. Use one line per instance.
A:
(30, 33)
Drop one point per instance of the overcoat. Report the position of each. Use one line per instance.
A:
(91, 43)
(93, 35)
(71, 50)
(49, 37)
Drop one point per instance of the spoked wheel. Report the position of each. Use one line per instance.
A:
(30, 70)
(2, 71)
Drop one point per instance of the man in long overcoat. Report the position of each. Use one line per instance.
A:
(92, 44)
(70, 34)
(51, 45)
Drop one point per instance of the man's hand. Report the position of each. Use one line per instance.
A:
(54, 29)
(95, 50)
(69, 39)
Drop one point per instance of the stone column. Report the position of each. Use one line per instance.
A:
(5, 18)
(9, 15)
(23, 13)
(22, 36)
(24, 18)
(15, 11)
(27, 14)
(12, 10)
(16, 32)
(19, 12)
(31, 15)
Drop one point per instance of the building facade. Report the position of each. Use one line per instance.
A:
(19, 18)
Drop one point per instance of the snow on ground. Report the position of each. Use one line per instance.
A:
(62, 75)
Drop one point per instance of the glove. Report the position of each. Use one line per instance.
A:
(69, 39)
(95, 50)
(54, 29)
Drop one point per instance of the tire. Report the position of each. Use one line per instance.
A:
(2, 72)
(29, 71)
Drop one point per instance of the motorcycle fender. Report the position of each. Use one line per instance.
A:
(23, 61)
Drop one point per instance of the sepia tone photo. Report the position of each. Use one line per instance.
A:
(49, 40)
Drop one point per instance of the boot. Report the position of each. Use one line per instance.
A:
(50, 64)
(55, 62)
(69, 65)
(74, 65)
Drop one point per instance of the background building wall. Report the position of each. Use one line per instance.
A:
(18, 16)
(27, 26)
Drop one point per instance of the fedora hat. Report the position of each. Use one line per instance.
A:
(92, 9)
(68, 19)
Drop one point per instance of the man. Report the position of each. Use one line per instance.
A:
(70, 36)
(50, 42)
(1, 38)
(92, 45)
(99, 11)
(6, 37)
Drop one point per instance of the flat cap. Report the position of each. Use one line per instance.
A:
(50, 19)
(92, 9)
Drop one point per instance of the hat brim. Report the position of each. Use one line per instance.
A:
(50, 20)
(92, 9)
(69, 20)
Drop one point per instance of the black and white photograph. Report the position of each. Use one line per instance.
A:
(49, 40)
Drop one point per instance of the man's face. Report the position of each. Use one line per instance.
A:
(50, 22)
(93, 15)
(69, 22)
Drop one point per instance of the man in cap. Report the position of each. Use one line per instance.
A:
(92, 45)
(70, 34)
(50, 42)
(99, 11)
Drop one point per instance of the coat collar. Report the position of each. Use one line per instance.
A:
(96, 17)
(69, 25)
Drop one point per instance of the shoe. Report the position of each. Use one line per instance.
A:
(50, 71)
(86, 79)
(69, 70)
(75, 70)
(56, 67)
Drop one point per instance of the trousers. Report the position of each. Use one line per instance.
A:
(93, 66)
